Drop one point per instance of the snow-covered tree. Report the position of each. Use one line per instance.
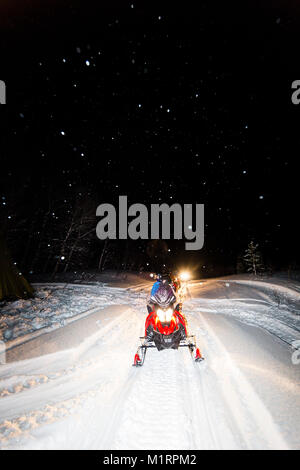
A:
(252, 258)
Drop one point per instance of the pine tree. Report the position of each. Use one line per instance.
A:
(252, 258)
(13, 285)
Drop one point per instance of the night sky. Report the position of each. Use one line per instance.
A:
(172, 103)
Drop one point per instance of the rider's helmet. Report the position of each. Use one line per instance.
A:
(166, 277)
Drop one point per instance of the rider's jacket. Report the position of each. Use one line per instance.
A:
(155, 288)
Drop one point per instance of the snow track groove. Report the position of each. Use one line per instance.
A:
(252, 421)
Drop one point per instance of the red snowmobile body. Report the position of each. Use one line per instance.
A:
(166, 334)
(169, 332)
(176, 285)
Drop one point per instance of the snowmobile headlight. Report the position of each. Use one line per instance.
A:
(165, 316)
(185, 276)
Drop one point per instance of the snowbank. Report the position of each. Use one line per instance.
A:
(54, 306)
(271, 304)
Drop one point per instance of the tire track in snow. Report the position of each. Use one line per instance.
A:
(165, 398)
(247, 416)
(203, 434)
(154, 408)
(89, 377)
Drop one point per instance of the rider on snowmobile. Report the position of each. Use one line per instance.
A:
(162, 280)
(175, 281)
(163, 297)
(165, 325)
(156, 285)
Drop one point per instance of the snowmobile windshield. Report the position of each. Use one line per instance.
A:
(164, 296)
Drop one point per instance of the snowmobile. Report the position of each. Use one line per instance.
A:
(165, 328)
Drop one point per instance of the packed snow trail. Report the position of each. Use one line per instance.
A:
(174, 404)
(245, 395)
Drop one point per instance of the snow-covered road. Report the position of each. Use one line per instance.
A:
(76, 389)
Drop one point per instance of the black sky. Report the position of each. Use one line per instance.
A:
(163, 103)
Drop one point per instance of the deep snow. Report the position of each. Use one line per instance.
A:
(53, 306)
(73, 386)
